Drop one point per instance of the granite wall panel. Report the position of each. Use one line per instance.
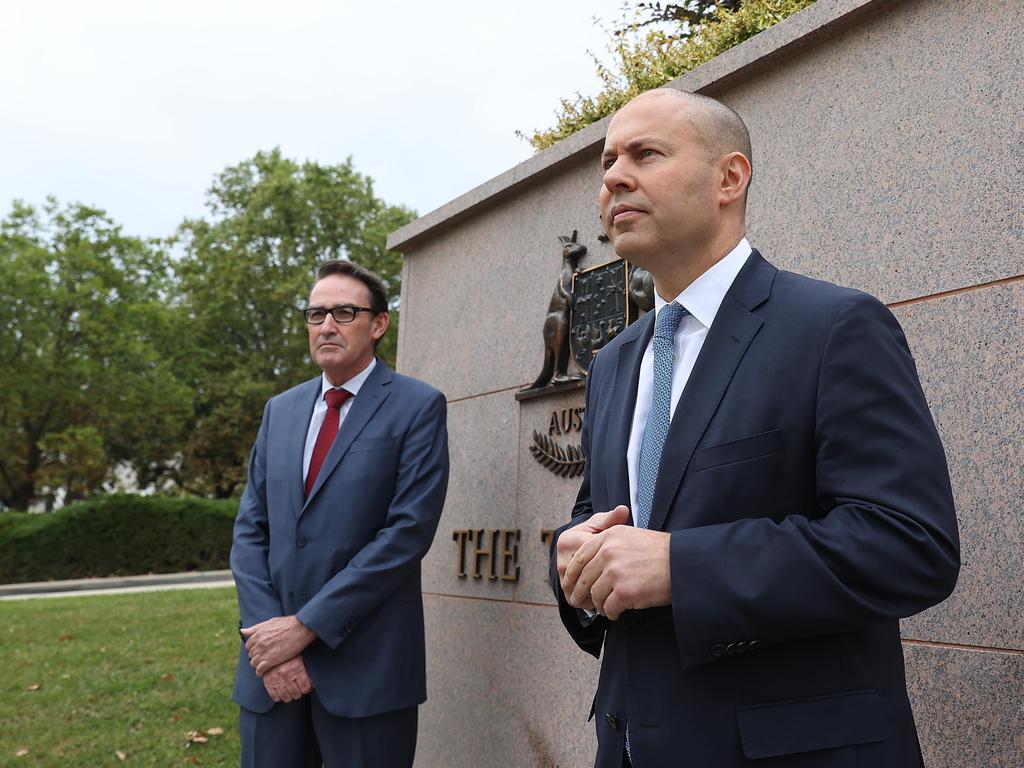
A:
(969, 349)
(967, 705)
(885, 161)
(481, 493)
(545, 498)
(490, 282)
(506, 687)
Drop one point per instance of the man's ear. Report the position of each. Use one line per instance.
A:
(381, 323)
(736, 171)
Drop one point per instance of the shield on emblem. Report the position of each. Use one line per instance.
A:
(601, 308)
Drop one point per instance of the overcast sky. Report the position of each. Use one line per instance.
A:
(134, 106)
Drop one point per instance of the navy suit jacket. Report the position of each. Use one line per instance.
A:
(807, 494)
(345, 561)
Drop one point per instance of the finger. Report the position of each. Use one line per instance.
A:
(613, 606)
(583, 591)
(246, 631)
(618, 516)
(569, 544)
(293, 690)
(305, 685)
(602, 521)
(579, 561)
(599, 593)
(274, 695)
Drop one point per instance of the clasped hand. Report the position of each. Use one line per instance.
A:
(607, 566)
(274, 647)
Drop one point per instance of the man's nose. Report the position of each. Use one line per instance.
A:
(619, 175)
(329, 325)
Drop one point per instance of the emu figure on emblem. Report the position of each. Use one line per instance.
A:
(557, 357)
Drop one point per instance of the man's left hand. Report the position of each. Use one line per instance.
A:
(622, 568)
(274, 641)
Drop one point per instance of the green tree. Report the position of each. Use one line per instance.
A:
(647, 61)
(85, 386)
(241, 275)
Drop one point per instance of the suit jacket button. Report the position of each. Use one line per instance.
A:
(717, 649)
(742, 646)
(612, 721)
(730, 649)
(753, 644)
(300, 543)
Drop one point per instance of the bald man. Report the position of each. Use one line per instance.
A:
(765, 492)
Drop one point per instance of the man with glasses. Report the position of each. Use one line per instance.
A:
(346, 484)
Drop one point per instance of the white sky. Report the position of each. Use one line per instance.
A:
(134, 105)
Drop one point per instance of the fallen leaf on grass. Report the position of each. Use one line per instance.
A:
(195, 760)
(64, 638)
(167, 677)
(34, 687)
(120, 755)
(196, 737)
(215, 731)
(21, 753)
(174, 718)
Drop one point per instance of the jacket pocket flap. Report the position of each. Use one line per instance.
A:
(805, 725)
(372, 444)
(752, 447)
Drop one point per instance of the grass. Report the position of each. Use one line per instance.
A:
(131, 673)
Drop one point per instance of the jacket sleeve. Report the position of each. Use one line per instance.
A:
(883, 542)
(257, 599)
(587, 632)
(394, 554)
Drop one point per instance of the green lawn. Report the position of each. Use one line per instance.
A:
(129, 673)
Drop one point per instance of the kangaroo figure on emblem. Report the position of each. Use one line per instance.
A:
(557, 357)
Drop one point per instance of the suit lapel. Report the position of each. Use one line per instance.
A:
(728, 339)
(627, 375)
(374, 391)
(300, 413)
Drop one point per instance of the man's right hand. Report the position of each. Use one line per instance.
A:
(571, 540)
(288, 681)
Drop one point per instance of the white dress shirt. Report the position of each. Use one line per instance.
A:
(320, 410)
(701, 298)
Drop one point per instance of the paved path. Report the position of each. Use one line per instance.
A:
(116, 584)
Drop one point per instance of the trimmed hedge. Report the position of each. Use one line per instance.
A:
(116, 535)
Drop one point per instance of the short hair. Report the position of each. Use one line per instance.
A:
(719, 126)
(374, 284)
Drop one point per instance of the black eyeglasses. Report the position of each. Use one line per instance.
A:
(346, 313)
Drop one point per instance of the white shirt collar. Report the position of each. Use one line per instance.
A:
(353, 385)
(704, 296)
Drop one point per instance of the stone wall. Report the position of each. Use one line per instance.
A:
(888, 156)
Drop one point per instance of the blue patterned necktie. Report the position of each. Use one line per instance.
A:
(656, 429)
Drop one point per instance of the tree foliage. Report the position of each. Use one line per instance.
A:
(82, 325)
(643, 61)
(242, 274)
(116, 355)
(685, 17)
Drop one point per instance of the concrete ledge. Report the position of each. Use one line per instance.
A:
(214, 578)
(789, 37)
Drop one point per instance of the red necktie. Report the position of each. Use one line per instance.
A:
(328, 431)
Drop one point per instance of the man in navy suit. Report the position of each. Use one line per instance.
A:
(765, 493)
(346, 484)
